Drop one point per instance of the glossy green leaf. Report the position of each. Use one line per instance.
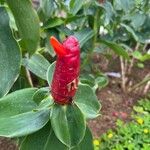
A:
(87, 101)
(84, 35)
(68, 124)
(126, 5)
(102, 81)
(116, 48)
(44, 139)
(27, 22)
(36, 140)
(75, 6)
(45, 103)
(10, 56)
(137, 20)
(23, 124)
(87, 142)
(50, 72)
(53, 143)
(109, 11)
(65, 30)
(47, 7)
(41, 94)
(53, 22)
(17, 102)
(37, 64)
(131, 31)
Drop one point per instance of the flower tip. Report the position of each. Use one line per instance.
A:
(58, 47)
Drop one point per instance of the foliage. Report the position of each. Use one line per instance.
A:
(133, 135)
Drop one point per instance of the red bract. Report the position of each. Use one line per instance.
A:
(66, 74)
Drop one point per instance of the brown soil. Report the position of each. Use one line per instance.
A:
(7, 144)
(115, 105)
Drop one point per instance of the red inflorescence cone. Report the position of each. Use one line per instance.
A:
(67, 69)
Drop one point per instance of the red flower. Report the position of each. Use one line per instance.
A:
(66, 74)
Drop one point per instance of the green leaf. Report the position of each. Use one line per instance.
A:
(84, 35)
(47, 7)
(36, 140)
(45, 103)
(41, 94)
(53, 22)
(44, 139)
(17, 102)
(54, 143)
(130, 30)
(49, 33)
(75, 6)
(23, 124)
(37, 64)
(50, 72)
(126, 5)
(138, 55)
(116, 48)
(109, 11)
(68, 123)
(137, 20)
(102, 81)
(65, 30)
(27, 22)
(10, 56)
(87, 101)
(87, 142)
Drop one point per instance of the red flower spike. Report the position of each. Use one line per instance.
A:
(58, 47)
(67, 69)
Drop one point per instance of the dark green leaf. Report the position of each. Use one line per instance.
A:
(87, 101)
(102, 81)
(27, 22)
(126, 5)
(44, 139)
(37, 64)
(116, 48)
(84, 35)
(75, 6)
(50, 72)
(53, 22)
(68, 124)
(41, 94)
(10, 56)
(23, 124)
(53, 143)
(87, 142)
(17, 102)
(47, 7)
(137, 20)
(65, 30)
(36, 140)
(130, 30)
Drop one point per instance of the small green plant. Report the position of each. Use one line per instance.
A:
(130, 136)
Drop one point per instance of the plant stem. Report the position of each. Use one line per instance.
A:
(147, 87)
(28, 74)
(145, 80)
(29, 77)
(133, 59)
(123, 75)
